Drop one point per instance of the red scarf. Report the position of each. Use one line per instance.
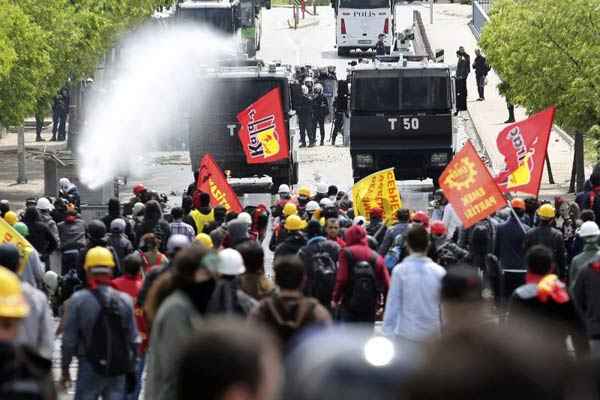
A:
(97, 280)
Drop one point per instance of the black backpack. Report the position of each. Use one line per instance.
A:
(324, 274)
(363, 292)
(108, 348)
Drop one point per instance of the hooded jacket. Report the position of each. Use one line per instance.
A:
(40, 235)
(291, 245)
(72, 233)
(579, 262)
(357, 245)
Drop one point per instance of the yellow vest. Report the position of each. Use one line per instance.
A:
(202, 220)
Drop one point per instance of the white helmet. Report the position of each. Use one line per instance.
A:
(318, 88)
(231, 263)
(43, 204)
(178, 242)
(359, 220)
(64, 183)
(284, 189)
(322, 188)
(589, 228)
(245, 218)
(51, 281)
(312, 206)
(326, 202)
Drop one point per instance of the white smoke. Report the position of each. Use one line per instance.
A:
(143, 98)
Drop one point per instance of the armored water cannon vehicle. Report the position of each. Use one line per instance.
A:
(224, 92)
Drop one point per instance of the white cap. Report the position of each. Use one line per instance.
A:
(588, 228)
(118, 225)
(322, 188)
(177, 242)
(312, 206)
(51, 280)
(326, 202)
(232, 262)
(245, 218)
(359, 220)
(43, 204)
(284, 189)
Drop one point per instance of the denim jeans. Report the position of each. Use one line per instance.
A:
(90, 385)
(139, 370)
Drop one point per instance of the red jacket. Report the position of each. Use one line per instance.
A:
(339, 241)
(356, 243)
(132, 286)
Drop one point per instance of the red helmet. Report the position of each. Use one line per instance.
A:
(422, 217)
(438, 228)
(138, 188)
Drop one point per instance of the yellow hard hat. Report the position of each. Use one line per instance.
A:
(289, 209)
(294, 223)
(12, 301)
(304, 191)
(10, 217)
(546, 211)
(99, 257)
(205, 240)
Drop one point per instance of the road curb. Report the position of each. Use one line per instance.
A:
(302, 25)
(34, 147)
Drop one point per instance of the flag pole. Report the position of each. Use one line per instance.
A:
(514, 213)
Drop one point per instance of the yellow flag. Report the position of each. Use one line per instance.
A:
(377, 190)
(8, 234)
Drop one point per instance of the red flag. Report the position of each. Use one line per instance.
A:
(263, 133)
(469, 187)
(524, 145)
(212, 181)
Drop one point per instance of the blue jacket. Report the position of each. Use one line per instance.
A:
(412, 310)
(509, 244)
(80, 316)
(390, 235)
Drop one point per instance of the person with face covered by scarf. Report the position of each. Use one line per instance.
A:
(176, 306)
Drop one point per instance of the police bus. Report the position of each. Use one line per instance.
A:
(360, 22)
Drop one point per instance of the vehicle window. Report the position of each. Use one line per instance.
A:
(232, 96)
(375, 94)
(424, 93)
(364, 4)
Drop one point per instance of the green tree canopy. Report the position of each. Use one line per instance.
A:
(547, 51)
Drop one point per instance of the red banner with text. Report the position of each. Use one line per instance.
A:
(469, 187)
(263, 133)
(212, 181)
(524, 145)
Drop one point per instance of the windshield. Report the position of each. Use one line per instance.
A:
(425, 93)
(364, 4)
(375, 94)
(393, 94)
(231, 96)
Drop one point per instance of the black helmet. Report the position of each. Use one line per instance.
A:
(96, 229)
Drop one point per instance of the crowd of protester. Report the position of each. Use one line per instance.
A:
(412, 305)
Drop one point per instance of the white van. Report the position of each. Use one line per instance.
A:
(360, 22)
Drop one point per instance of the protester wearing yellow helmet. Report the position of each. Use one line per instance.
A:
(205, 240)
(289, 209)
(13, 305)
(82, 338)
(295, 239)
(11, 218)
(99, 260)
(545, 234)
(546, 211)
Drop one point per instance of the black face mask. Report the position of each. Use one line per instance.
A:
(200, 294)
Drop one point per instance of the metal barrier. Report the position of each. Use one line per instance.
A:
(480, 14)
